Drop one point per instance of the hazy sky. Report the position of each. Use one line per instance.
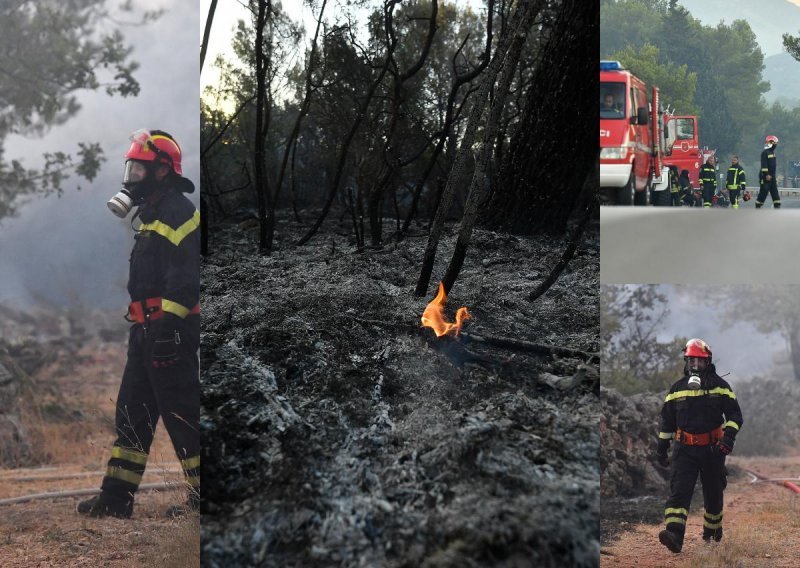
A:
(72, 249)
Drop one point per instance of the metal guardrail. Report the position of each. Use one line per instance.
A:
(787, 191)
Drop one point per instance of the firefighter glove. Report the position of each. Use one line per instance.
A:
(725, 445)
(166, 338)
(662, 453)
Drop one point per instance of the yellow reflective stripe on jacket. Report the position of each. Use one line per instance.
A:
(132, 456)
(683, 394)
(670, 511)
(174, 308)
(193, 481)
(665, 435)
(175, 236)
(678, 520)
(711, 517)
(191, 463)
(708, 525)
(125, 475)
(732, 424)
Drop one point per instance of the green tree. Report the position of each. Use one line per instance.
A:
(675, 82)
(770, 308)
(633, 359)
(792, 45)
(50, 50)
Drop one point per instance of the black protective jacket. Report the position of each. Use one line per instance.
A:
(768, 162)
(708, 176)
(736, 177)
(700, 411)
(165, 261)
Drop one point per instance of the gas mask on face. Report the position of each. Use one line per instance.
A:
(137, 184)
(697, 367)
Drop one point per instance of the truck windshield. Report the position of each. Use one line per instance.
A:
(679, 129)
(612, 100)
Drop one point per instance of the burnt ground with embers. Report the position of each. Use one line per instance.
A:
(338, 432)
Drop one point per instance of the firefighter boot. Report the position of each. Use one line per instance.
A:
(715, 534)
(107, 505)
(671, 540)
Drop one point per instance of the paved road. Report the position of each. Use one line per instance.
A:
(699, 246)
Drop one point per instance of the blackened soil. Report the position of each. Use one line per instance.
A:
(337, 432)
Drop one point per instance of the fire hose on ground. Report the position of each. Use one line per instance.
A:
(165, 485)
(787, 482)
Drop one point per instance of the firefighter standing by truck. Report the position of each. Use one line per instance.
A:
(708, 178)
(674, 187)
(702, 415)
(736, 182)
(767, 176)
(161, 377)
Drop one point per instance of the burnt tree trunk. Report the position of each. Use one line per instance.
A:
(345, 148)
(478, 188)
(464, 152)
(262, 191)
(207, 32)
(290, 143)
(552, 150)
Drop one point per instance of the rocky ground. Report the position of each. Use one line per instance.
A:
(337, 432)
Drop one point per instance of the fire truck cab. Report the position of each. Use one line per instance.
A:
(629, 132)
(682, 148)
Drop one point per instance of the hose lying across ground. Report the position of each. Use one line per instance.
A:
(783, 481)
(165, 485)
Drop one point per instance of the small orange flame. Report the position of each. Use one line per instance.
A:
(433, 316)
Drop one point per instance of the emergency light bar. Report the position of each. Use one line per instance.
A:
(610, 66)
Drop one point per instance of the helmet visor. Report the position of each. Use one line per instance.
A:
(699, 363)
(135, 172)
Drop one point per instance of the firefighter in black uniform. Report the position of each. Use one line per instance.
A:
(767, 175)
(161, 377)
(687, 193)
(674, 187)
(693, 415)
(708, 177)
(736, 182)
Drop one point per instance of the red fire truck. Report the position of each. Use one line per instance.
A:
(639, 141)
(682, 145)
(630, 153)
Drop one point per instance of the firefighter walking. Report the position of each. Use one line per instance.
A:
(161, 376)
(702, 415)
(708, 178)
(674, 187)
(736, 182)
(767, 175)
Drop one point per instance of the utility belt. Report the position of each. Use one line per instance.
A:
(699, 439)
(145, 311)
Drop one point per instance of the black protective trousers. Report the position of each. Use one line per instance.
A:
(770, 187)
(687, 463)
(147, 393)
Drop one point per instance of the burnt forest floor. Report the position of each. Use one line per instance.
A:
(338, 432)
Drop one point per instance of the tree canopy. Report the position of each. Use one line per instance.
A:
(49, 51)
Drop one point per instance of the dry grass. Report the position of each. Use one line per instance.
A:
(178, 548)
(752, 542)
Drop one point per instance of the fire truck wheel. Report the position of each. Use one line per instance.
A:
(642, 197)
(662, 198)
(626, 193)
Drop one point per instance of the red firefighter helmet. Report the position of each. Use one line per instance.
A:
(155, 146)
(771, 139)
(697, 348)
(746, 195)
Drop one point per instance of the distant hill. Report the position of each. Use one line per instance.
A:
(769, 19)
(783, 73)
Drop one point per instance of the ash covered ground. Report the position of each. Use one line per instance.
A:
(337, 432)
